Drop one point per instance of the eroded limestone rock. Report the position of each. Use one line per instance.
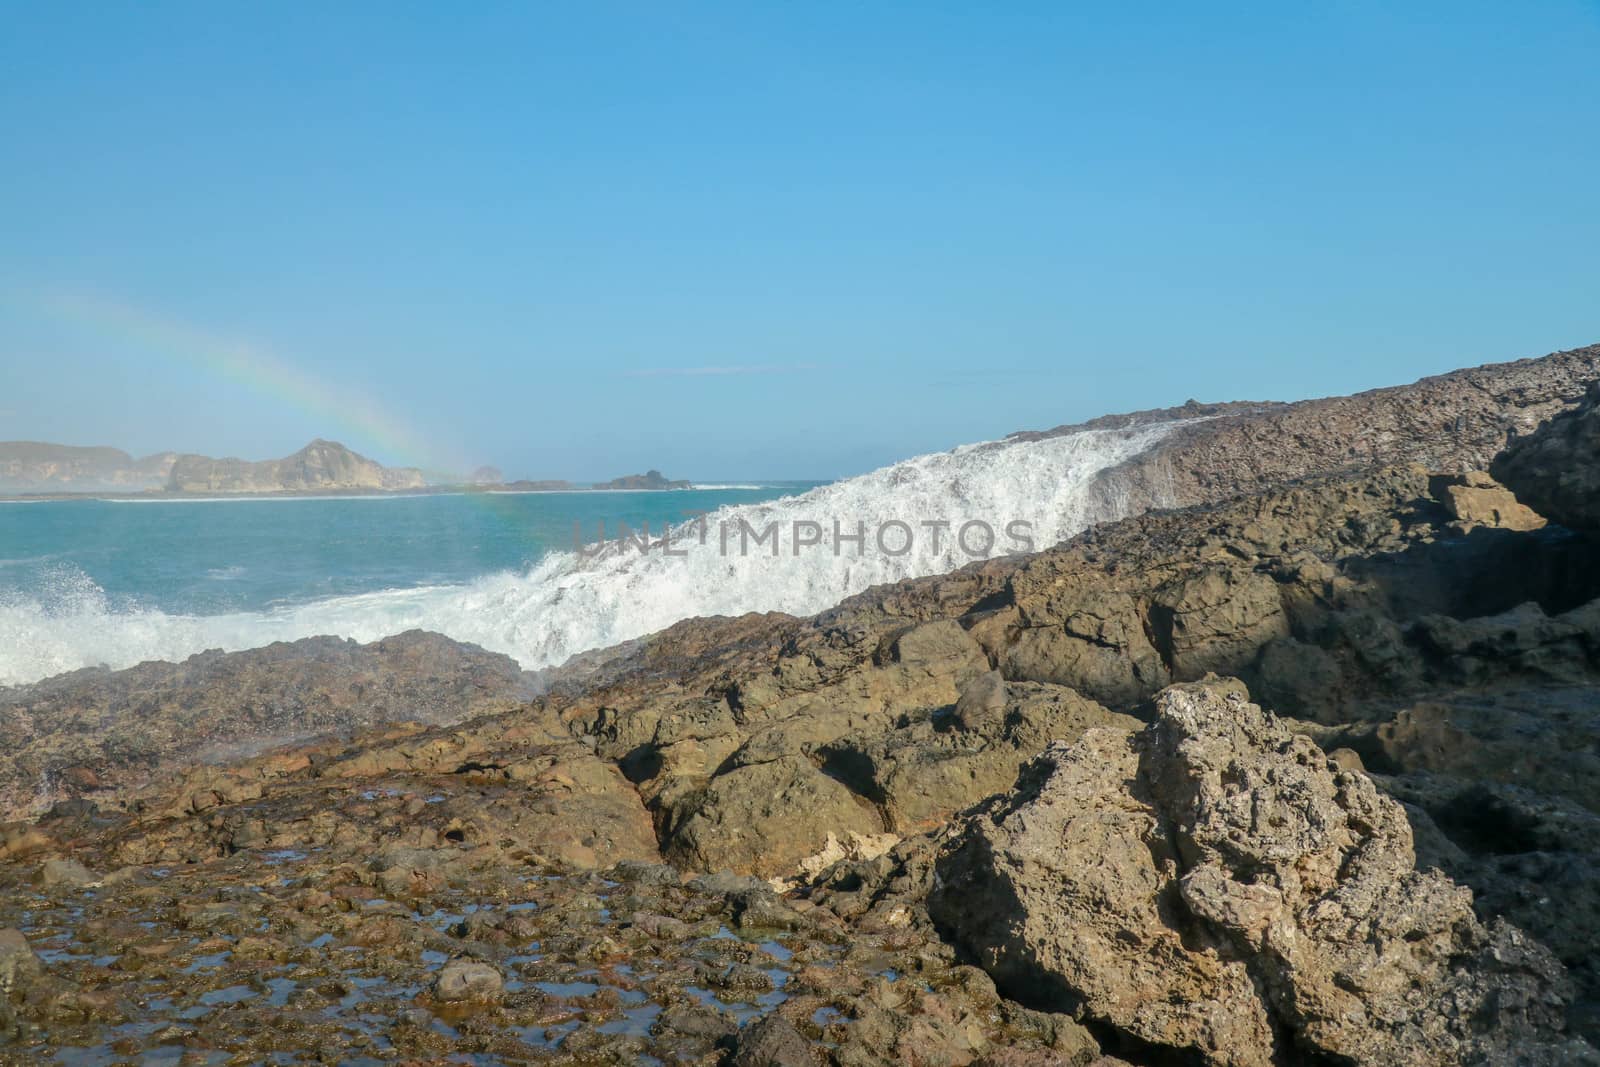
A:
(1217, 884)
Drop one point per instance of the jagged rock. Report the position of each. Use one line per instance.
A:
(1450, 422)
(1215, 884)
(1556, 469)
(1524, 640)
(1094, 641)
(1217, 620)
(125, 726)
(929, 769)
(1296, 677)
(461, 980)
(1503, 789)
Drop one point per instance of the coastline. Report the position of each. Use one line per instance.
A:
(164, 496)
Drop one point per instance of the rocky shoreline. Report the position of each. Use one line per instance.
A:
(1306, 771)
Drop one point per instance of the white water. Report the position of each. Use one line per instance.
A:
(570, 603)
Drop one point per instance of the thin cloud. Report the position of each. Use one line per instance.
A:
(707, 372)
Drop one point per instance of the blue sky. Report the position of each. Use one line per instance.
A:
(760, 240)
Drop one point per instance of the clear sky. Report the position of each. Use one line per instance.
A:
(740, 240)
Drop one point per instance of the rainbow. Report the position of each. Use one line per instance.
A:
(354, 413)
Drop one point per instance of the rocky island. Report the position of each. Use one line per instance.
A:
(1297, 761)
(318, 467)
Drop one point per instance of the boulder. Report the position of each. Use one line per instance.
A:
(461, 980)
(773, 1041)
(765, 818)
(1216, 886)
(18, 964)
(64, 873)
(1476, 499)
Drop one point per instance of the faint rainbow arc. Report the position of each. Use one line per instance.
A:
(255, 369)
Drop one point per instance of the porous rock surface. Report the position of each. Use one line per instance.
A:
(1215, 884)
(94, 731)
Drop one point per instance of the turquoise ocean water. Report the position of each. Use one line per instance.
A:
(208, 557)
(90, 583)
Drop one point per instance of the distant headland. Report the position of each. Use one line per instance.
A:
(38, 469)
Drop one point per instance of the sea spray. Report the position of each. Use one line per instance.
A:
(571, 601)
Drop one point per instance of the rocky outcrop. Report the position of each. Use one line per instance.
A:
(1337, 598)
(35, 467)
(652, 479)
(937, 763)
(1557, 469)
(1222, 885)
(320, 466)
(93, 732)
(1451, 423)
(1215, 885)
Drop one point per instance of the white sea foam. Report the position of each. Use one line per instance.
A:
(571, 602)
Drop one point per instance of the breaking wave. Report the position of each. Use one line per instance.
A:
(571, 602)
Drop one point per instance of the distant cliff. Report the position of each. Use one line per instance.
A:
(321, 465)
(33, 466)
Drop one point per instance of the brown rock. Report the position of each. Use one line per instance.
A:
(765, 818)
(463, 979)
(1476, 499)
(18, 964)
(1311, 923)
(772, 1041)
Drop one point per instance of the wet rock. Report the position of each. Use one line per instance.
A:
(64, 874)
(695, 1019)
(726, 883)
(772, 1041)
(639, 873)
(94, 730)
(1214, 882)
(18, 964)
(464, 980)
